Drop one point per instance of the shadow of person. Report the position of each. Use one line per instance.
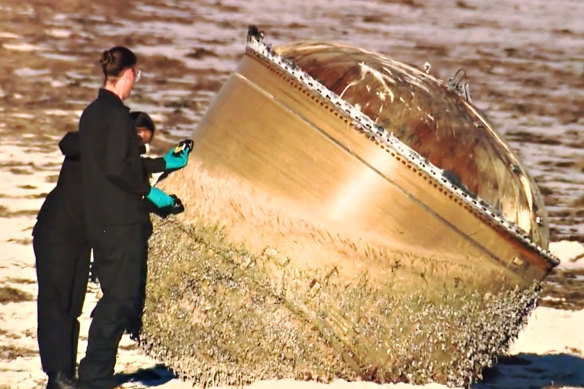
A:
(153, 376)
(532, 371)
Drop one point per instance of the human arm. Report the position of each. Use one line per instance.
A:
(165, 204)
(159, 198)
(154, 165)
(176, 158)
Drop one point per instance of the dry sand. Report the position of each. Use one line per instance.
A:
(549, 352)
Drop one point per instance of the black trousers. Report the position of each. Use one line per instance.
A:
(62, 266)
(120, 253)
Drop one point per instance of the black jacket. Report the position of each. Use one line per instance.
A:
(154, 165)
(61, 214)
(114, 177)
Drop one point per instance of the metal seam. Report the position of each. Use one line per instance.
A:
(363, 123)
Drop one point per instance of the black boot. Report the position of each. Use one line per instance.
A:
(61, 380)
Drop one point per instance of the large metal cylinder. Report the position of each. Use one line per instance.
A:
(335, 225)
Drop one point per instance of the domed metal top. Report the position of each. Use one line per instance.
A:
(429, 116)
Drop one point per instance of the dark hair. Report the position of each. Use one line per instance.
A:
(115, 60)
(142, 119)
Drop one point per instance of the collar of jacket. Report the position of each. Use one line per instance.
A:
(104, 93)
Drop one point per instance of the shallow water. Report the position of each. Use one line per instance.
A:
(524, 61)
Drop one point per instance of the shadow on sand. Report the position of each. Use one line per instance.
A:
(532, 371)
(152, 376)
(522, 371)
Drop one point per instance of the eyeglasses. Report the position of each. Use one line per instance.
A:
(137, 74)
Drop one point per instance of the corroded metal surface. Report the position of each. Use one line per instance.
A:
(315, 243)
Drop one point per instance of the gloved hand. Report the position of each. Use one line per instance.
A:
(159, 198)
(178, 157)
(175, 160)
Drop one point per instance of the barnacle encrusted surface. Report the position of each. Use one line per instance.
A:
(310, 248)
(228, 301)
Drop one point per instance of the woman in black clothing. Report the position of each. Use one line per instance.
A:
(115, 193)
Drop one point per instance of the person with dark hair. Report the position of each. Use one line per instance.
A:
(144, 126)
(116, 191)
(62, 253)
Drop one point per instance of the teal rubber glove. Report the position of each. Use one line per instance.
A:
(176, 160)
(159, 198)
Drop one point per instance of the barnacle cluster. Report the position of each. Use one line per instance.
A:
(219, 314)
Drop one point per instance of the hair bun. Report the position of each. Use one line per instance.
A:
(106, 58)
(115, 60)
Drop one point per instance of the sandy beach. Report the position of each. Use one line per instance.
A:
(524, 60)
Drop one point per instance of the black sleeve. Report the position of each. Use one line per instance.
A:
(154, 165)
(123, 164)
(69, 145)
